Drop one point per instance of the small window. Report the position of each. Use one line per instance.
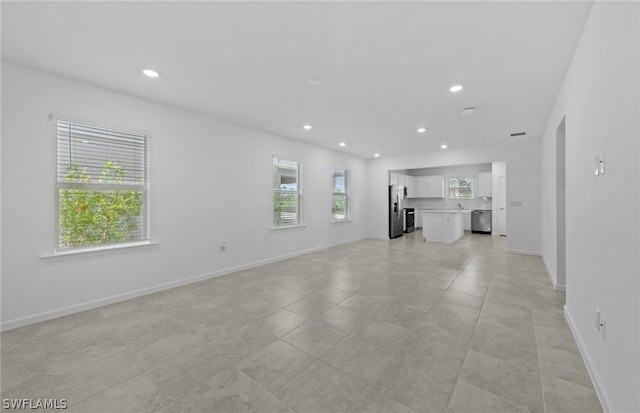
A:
(340, 201)
(461, 188)
(102, 186)
(287, 192)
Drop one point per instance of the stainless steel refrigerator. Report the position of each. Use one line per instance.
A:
(396, 198)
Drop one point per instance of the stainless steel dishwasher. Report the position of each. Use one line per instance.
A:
(481, 221)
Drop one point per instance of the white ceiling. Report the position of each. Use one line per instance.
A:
(385, 67)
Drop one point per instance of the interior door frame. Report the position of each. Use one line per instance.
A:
(502, 205)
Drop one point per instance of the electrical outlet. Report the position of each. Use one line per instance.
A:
(598, 319)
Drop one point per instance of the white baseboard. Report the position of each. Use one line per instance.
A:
(76, 308)
(593, 375)
(523, 252)
(381, 237)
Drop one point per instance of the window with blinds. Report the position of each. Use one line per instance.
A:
(340, 208)
(287, 192)
(102, 185)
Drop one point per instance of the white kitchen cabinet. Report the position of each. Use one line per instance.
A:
(422, 187)
(407, 181)
(436, 186)
(442, 226)
(430, 186)
(484, 185)
(410, 183)
(466, 217)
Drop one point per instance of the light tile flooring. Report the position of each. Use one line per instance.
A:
(372, 326)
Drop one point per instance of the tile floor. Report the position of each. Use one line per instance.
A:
(372, 326)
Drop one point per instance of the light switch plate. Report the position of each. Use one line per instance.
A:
(598, 165)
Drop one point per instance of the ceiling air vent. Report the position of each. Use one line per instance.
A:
(518, 134)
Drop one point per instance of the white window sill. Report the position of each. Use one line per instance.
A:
(98, 249)
(290, 226)
(335, 221)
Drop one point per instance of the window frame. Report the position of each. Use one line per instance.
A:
(472, 187)
(144, 188)
(298, 192)
(346, 194)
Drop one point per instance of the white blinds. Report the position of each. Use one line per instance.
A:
(103, 181)
(287, 192)
(89, 148)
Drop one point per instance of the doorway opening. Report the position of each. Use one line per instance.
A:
(500, 198)
(502, 206)
(561, 236)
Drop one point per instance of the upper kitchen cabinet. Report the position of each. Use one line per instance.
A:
(406, 181)
(410, 183)
(430, 186)
(436, 186)
(484, 185)
(422, 186)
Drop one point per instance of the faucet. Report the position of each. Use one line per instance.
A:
(460, 207)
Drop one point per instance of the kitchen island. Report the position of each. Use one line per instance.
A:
(442, 225)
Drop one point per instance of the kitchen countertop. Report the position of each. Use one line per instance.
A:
(447, 211)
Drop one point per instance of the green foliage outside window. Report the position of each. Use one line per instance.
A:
(339, 209)
(92, 217)
(460, 188)
(285, 208)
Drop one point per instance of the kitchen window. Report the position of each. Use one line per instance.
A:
(340, 199)
(287, 193)
(461, 188)
(102, 186)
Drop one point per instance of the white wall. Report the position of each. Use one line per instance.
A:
(523, 184)
(210, 182)
(600, 99)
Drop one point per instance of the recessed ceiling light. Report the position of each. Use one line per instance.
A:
(307, 127)
(443, 146)
(422, 130)
(314, 80)
(467, 111)
(455, 88)
(342, 144)
(150, 73)
(376, 155)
